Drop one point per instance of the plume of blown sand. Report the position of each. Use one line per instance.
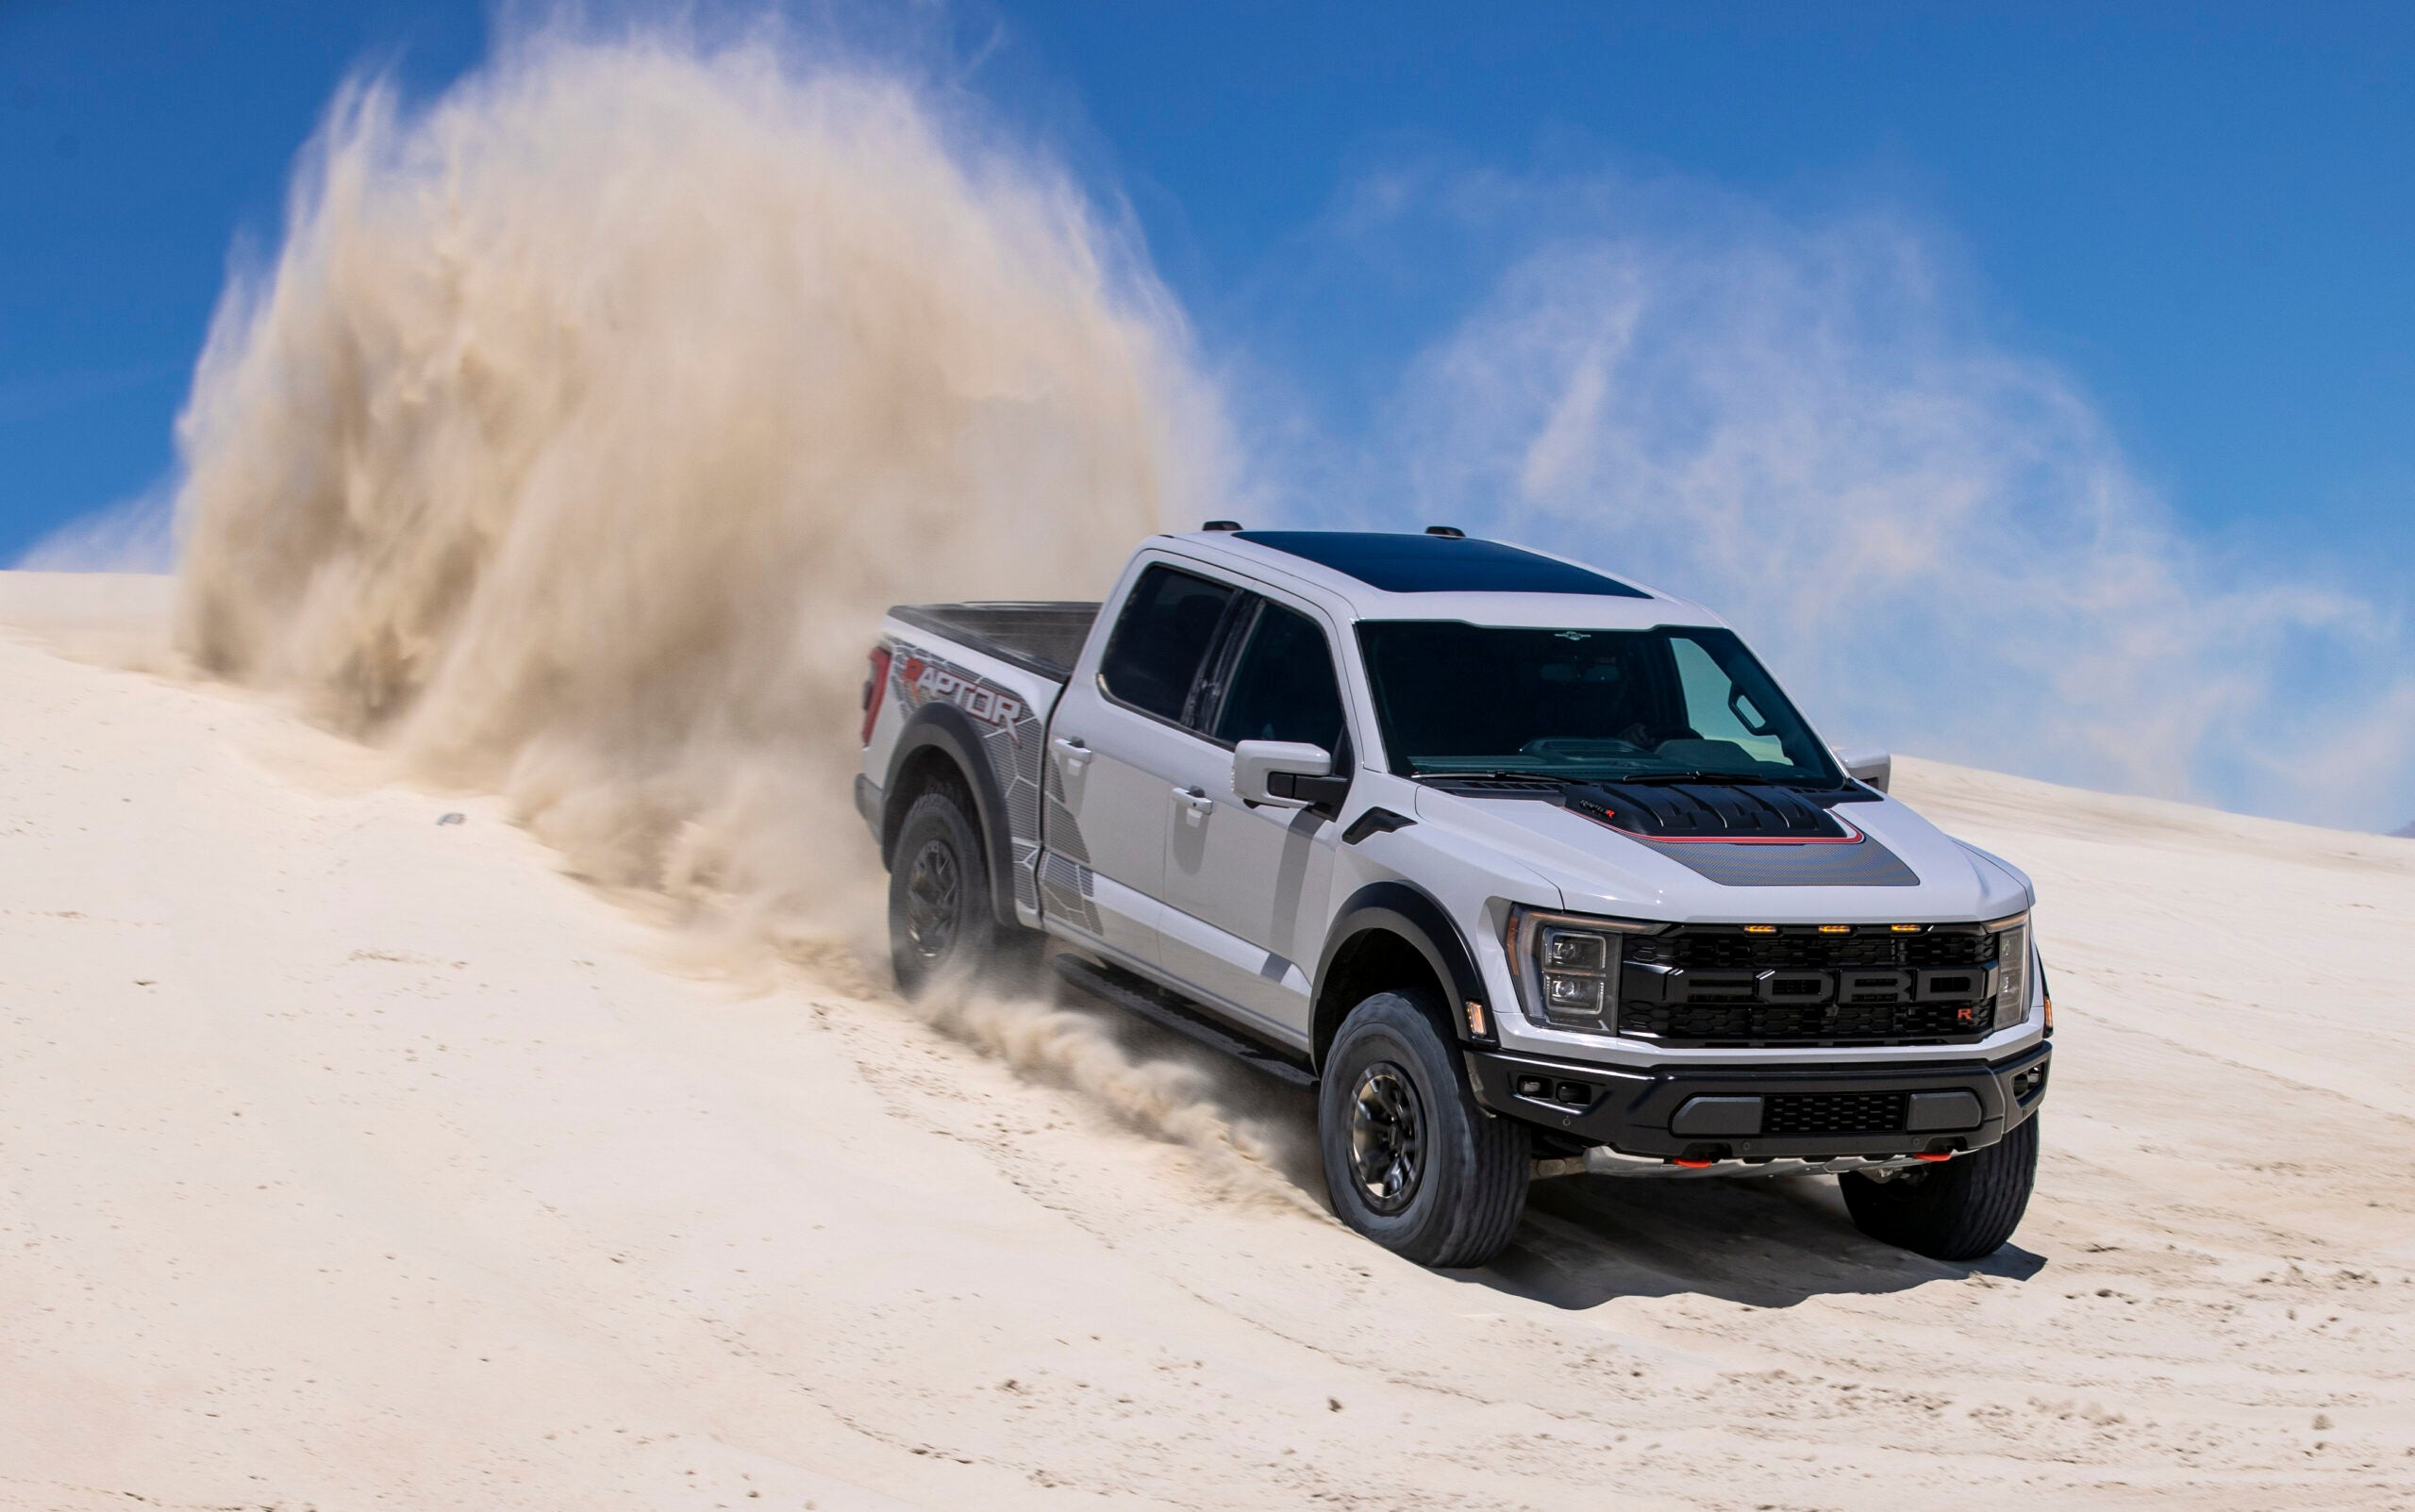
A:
(1171, 1099)
(588, 418)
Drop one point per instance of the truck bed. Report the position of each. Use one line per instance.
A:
(1042, 639)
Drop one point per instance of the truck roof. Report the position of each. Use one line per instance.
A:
(1397, 575)
(1401, 563)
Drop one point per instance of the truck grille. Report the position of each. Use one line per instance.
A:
(1895, 1024)
(1834, 1113)
(1715, 985)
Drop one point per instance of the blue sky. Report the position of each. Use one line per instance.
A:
(2196, 222)
(2202, 215)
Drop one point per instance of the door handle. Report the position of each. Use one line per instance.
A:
(1071, 754)
(1195, 803)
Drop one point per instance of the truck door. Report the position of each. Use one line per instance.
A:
(1247, 889)
(1115, 743)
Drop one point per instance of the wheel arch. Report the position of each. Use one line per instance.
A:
(940, 741)
(1387, 936)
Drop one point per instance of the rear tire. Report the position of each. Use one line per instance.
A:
(1961, 1210)
(1410, 1160)
(940, 921)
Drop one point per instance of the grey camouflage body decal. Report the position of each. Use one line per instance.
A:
(1012, 740)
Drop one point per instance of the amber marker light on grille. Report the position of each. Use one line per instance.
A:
(1761, 929)
(1905, 929)
(1835, 929)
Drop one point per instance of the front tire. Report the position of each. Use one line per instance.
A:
(940, 918)
(1410, 1160)
(1963, 1210)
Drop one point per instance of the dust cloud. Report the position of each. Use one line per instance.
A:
(588, 418)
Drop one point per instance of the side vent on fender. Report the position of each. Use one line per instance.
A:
(1375, 822)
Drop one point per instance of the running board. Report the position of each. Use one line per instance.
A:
(1171, 1011)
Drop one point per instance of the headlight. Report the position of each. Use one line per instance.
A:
(2012, 970)
(1568, 967)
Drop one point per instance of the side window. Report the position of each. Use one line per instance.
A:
(1160, 639)
(1283, 687)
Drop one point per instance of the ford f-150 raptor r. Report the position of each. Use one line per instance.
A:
(1525, 867)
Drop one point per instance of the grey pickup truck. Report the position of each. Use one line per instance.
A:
(1525, 867)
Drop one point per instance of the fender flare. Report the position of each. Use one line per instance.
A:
(947, 729)
(1411, 913)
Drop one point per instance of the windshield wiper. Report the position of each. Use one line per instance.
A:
(1716, 779)
(1568, 778)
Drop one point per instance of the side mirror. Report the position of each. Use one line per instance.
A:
(1868, 764)
(1286, 774)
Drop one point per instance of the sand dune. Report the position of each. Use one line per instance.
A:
(348, 1159)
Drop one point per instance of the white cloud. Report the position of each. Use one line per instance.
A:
(1938, 541)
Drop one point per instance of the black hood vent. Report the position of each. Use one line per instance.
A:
(1705, 811)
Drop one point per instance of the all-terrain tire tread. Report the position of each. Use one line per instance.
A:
(2002, 1199)
(1492, 1155)
(1965, 1211)
(1500, 1161)
(945, 799)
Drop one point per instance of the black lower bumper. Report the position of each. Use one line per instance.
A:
(1759, 1112)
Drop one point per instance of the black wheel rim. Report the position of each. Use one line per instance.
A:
(1386, 1137)
(933, 890)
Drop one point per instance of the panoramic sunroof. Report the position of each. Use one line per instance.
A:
(1438, 564)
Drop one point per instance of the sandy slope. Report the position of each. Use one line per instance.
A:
(350, 1159)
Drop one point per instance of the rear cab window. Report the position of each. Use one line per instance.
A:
(1169, 622)
(1225, 663)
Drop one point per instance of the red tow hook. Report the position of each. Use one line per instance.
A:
(1695, 1165)
(1947, 1156)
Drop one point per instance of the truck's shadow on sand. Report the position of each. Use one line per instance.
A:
(1765, 1242)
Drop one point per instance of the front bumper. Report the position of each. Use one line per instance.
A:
(1697, 1113)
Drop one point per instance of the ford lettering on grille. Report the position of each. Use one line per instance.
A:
(1709, 986)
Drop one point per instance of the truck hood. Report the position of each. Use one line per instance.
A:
(1895, 867)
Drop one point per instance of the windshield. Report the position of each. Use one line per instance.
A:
(1583, 705)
